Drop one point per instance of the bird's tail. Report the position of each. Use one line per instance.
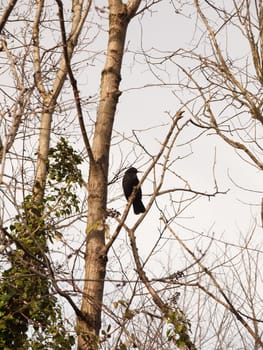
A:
(138, 207)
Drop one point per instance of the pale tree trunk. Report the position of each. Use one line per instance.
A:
(95, 261)
(49, 98)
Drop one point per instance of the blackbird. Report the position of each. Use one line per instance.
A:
(130, 180)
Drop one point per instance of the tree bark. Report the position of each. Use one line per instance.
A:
(50, 97)
(95, 260)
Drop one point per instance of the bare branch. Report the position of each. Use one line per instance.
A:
(37, 60)
(74, 82)
(7, 13)
(132, 7)
(216, 284)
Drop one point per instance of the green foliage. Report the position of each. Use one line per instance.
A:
(27, 307)
(29, 315)
(178, 330)
(63, 163)
(64, 178)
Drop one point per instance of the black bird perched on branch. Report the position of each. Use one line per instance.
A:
(130, 180)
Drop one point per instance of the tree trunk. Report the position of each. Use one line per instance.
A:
(50, 98)
(95, 261)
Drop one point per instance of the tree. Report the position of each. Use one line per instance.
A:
(30, 232)
(95, 266)
(159, 280)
